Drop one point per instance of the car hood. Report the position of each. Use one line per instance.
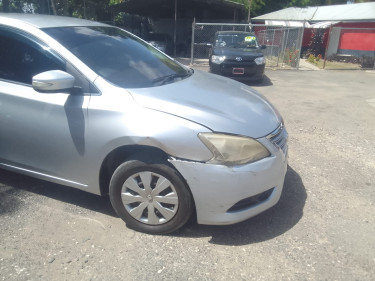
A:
(218, 103)
(238, 52)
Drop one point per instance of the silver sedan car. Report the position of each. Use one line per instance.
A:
(94, 107)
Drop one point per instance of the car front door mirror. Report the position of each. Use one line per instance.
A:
(53, 81)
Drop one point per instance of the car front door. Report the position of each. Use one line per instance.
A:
(42, 134)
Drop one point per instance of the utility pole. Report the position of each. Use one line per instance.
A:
(248, 15)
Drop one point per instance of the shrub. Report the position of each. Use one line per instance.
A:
(314, 59)
(364, 61)
(316, 45)
(311, 58)
(291, 57)
(367, 62)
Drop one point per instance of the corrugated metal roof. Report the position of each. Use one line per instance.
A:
(294, 23)
(350, 12)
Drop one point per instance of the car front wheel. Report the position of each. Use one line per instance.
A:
(150, 197)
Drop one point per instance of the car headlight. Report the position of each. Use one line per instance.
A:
(217, 59)
(233, 150)
(260, 60)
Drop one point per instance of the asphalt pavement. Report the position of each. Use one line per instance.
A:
(322, 228)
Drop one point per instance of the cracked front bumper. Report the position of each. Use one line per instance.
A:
(226, 195)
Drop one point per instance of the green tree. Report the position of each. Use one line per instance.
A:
(5, 5)
(90, 9)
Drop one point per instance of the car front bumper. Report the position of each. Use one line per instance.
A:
(251, 71)
(226, 195)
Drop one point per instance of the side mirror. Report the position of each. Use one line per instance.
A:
(52, 81)
(263, 47)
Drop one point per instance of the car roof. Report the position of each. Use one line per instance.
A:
(44, 21)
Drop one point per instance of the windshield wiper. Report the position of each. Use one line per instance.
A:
(168, 78)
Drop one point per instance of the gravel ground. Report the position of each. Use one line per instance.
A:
(322, 228)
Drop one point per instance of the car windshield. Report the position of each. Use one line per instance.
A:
(236, 40)
(119, 57)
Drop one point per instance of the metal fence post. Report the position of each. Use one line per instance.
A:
(192, 43)
(283, 45)
(287, 40)
(273, 43)
(300, 43)
(328, 42)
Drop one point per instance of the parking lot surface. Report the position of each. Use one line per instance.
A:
(322, 228)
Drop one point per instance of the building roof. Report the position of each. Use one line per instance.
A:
(349, 12)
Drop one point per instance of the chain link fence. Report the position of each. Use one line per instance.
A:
(283, 44)
(351, 48)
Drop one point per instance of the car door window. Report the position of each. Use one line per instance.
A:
(21, 58)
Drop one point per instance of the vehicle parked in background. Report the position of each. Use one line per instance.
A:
(91, 106)
(237, 55)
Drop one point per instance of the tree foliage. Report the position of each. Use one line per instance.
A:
(100, 9)
(90, 9)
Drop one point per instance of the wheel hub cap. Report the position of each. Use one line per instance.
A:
(149, 198)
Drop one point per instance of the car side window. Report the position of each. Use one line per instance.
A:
(21, 58)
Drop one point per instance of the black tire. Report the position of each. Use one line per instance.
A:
(156, 223)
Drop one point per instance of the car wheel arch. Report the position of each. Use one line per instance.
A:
(120, 154)
(135, 152)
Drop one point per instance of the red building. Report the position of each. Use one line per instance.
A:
(347, 29)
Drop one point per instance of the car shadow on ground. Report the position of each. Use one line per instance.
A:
(270, 224)
(266, 81)
(265, 226)
(13, 186)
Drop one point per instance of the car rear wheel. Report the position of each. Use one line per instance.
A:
(150, 197)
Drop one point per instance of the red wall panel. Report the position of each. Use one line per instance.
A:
(357, 24)
(362, 40)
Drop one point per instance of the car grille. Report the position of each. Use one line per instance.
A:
(244, 60)
(279, 138)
